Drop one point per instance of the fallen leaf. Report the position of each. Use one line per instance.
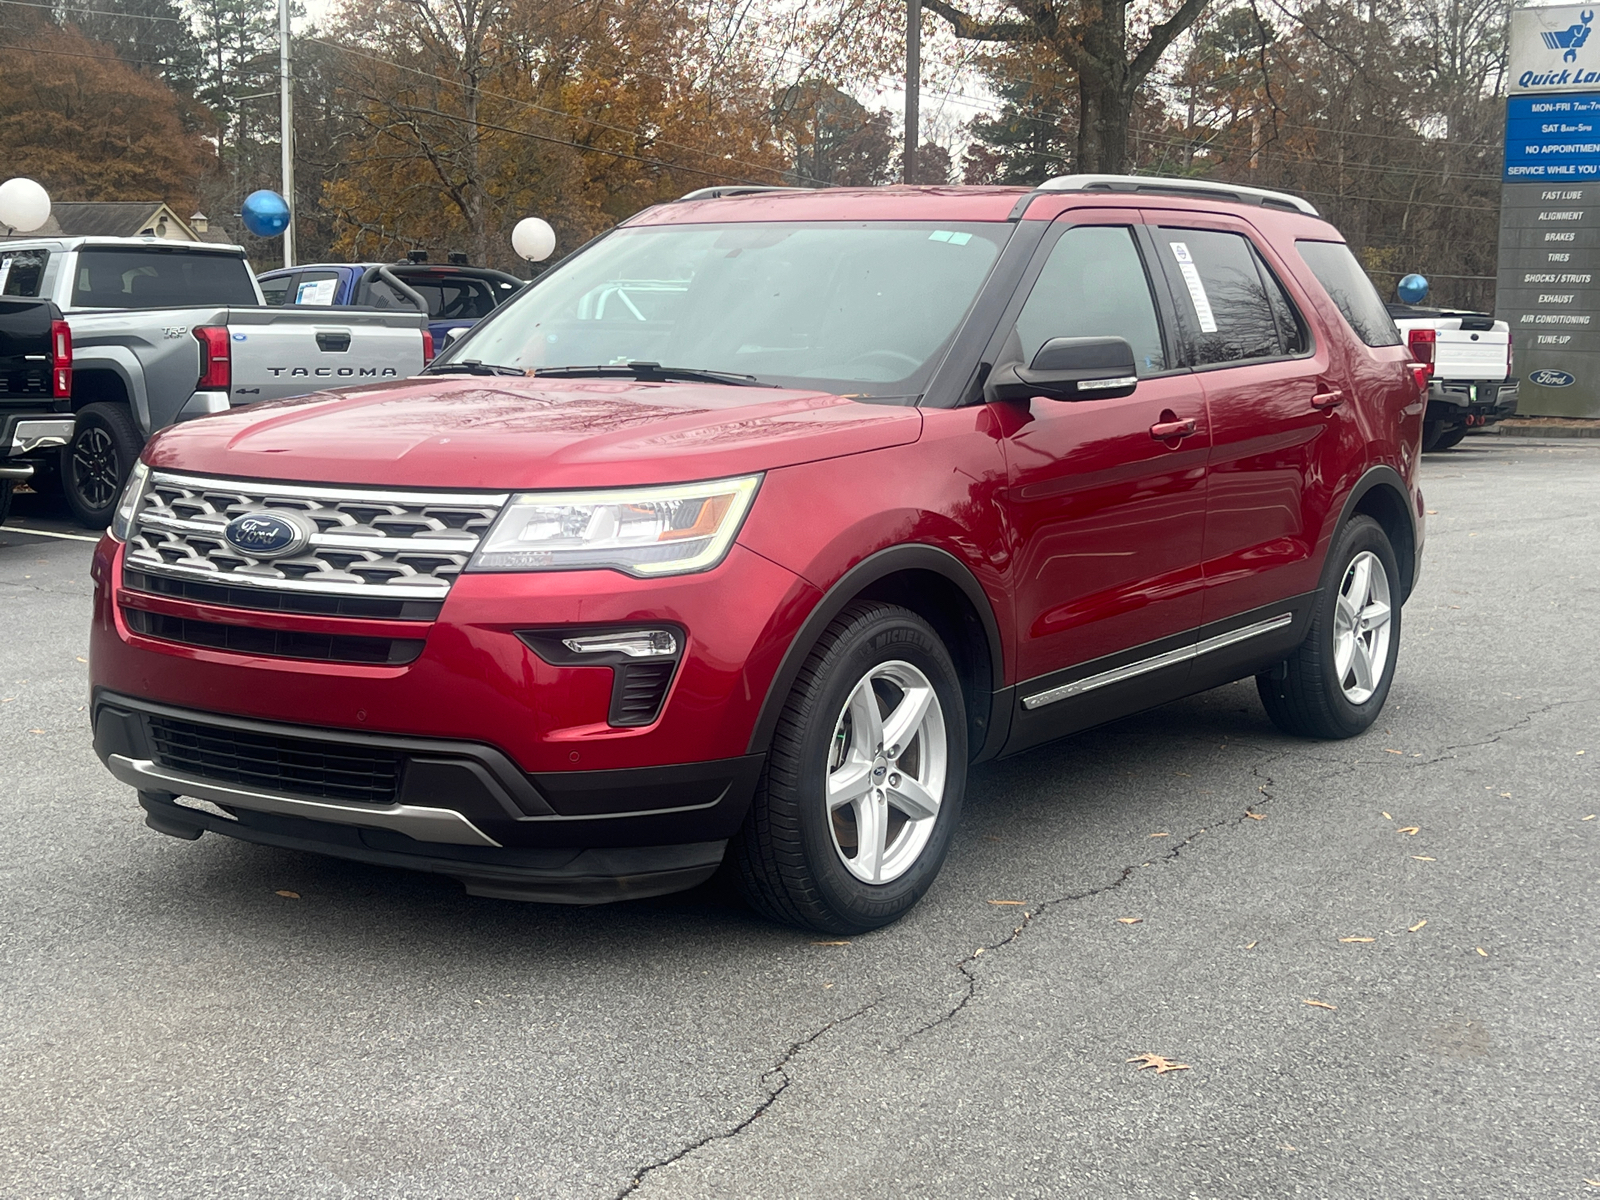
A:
(1286, 1146)
(845, 943)
(977, 952)
(1593, 1182)
(1424, 858)
(81, 658)
(1252, 945)
(289, 895)
(1358, 939)
(826, 986)
(1387, 817)
(35, 731)
(1412, 829)
(1159, 835)
(1582, 752)
(1255, 816)
(1590, 817)
(1320, 1004)
(1386, 750)
(1482, 951)
(1162, 1065)
(1129, 920)
(1008, 902)
(1505, 795)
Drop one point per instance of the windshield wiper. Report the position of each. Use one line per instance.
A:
(652, 372)
(472, 366)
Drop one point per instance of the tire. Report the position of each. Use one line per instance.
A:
(798, 863)
(1432, 431)
(94, 466)
(7, 488)
(1450, 438)
(1321, 691)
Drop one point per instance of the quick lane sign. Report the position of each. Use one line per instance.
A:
(1549, 275)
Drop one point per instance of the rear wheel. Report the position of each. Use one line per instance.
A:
(105, 445)
(863, 784)
(7, 487)
(1451, 437)
(1335, 684)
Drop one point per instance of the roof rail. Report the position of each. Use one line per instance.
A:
(735, 189)
(1179, 187)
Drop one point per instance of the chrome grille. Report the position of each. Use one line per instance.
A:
(369, 542)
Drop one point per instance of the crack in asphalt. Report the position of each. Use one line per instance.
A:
(1521, 722)
(774, 1090)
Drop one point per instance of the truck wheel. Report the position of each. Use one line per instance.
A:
(862, 787)
(1432, 431)
(105, 445)
(1451, 438)
(1335, 684)
(7, 487)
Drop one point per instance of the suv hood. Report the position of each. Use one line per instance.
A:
(509, 434)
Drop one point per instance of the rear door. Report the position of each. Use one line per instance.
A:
(1280, 423)
(1106, 514)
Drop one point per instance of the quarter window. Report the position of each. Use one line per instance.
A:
(1093, 285)
(1351, 291)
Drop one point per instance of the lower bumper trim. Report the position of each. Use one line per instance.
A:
(443, 825)
(593, 876)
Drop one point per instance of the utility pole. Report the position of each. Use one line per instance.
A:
(913, 86)
(286, 126)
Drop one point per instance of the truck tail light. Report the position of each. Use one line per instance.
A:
(216, 359)
(1422, 343)
(427, 346)
(60, 359)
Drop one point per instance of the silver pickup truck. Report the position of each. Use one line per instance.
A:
(164, 331)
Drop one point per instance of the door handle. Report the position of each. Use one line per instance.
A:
(1328, 399)
(1166, 430)
(333, 342)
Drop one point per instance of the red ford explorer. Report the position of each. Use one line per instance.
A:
(751, 526)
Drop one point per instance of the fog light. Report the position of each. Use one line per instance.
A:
(635, 643)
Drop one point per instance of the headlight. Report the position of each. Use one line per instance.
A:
(643, 531)
(132, 494)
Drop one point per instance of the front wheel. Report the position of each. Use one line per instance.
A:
(1335, 684)
(863, 784)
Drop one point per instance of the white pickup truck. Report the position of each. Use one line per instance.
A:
(164, 331)
(1471, 359)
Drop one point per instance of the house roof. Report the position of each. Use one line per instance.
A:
(104, 218)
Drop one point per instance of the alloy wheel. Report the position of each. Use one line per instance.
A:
(95, 467)
(1361, 627)
(887, 766)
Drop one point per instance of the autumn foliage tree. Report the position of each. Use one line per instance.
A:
(90, 126)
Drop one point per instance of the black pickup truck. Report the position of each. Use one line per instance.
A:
(35, 390)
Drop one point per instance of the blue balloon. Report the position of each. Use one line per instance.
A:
(265, 213)
(1413, 289)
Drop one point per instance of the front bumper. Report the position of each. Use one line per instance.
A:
(455, 808)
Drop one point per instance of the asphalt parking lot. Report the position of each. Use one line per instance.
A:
(1377, 958)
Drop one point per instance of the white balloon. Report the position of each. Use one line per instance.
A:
(533, 239)
(24, 205)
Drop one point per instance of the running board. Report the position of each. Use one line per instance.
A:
(1156, 662)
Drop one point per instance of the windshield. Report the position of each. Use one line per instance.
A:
(858, 308)
(113, 277)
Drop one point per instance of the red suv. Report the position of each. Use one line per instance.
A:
(752, 525)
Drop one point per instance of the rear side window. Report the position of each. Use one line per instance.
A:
(1223, 295)
(113, 277)
(1093, 285)
(276, 291)
(1349, 288)
(22, 273)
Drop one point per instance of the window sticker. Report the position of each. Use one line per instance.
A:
(317, 292)
(945, 235)
(1197, 290)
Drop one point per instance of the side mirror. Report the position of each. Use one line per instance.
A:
(1080, 368)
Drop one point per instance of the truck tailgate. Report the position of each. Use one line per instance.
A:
(1459, 354)
(280, 352)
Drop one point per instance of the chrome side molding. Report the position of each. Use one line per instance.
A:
(1156, 662)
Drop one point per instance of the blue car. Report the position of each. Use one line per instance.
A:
(455, 295)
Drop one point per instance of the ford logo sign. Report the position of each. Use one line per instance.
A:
(266, 535)
(1550, 378)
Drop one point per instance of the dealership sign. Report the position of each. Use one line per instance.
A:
(1550, 209)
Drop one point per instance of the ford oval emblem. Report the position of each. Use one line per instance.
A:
(1551, 378)
(266, 535)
